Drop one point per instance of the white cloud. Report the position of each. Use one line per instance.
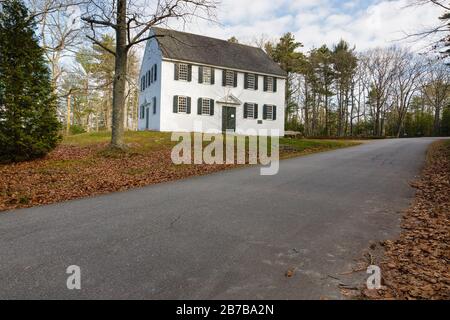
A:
(315, 22)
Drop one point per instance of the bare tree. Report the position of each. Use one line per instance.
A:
(380, 74)
(59, 30)
(131, 23)
(442, 30)
(407, 73)
(436, 89)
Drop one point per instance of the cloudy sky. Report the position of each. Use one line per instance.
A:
(364, 23)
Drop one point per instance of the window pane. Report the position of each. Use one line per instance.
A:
(251, 81)
(229, 78)
(182, 104)
(269, 84)
(250, 110)
(269, 112)
(205, 106)
(207, 75)
(183, 71)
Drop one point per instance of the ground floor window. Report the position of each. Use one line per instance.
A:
(182, 104)
(250, 110)
(270, 112)
(206, 107)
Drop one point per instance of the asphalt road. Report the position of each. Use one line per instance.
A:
(230, 235)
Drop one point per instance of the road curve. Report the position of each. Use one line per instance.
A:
(229, 235)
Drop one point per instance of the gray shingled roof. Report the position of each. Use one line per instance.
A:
(210, 51)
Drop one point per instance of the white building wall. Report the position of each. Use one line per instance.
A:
(152, 56)
(193, 122)
(166, 87)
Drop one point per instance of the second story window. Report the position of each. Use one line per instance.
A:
(207, 75)
(251, 81)
(183, 71)
(229, 78)
(270, 84)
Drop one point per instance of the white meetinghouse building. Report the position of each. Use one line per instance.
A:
(193, 83)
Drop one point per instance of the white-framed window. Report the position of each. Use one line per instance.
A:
(251, 81)
(182, 104)
(206, 106)
(270, 84)
(229, 78)
(183, 71)
(207, 75)
(269, 112)
(251, 110)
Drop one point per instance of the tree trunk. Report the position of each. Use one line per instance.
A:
(119, 85)
(437, 120)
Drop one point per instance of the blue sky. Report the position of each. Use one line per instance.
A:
(364, 23)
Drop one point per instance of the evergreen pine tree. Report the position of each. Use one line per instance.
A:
(28, 123)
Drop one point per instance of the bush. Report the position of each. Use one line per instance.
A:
(76, 129)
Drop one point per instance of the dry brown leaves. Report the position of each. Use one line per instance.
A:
(71, 172)
(416, 264)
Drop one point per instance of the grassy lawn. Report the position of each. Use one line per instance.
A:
(81, 166)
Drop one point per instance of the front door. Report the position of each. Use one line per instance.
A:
(228, 119)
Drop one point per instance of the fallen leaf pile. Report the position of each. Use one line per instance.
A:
(416, 265)
(83, 165)
(71, 172)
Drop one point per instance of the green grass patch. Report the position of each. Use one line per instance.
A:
(142, 142)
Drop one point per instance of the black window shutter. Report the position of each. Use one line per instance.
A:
(188, 105)
(256, 111)
(256, 82)
(199, 106)
(275, 84)
(224, 78)
(245, 110)
(274, 113)
(149, 76)
(213, 76)
(211, 107)
(246, 81)
(176, 70)
(265, 83)
(156, 72)
(189, 72)
(265, 112)
(235, 79)
(200, 74)
(154, 105)
(175, 104)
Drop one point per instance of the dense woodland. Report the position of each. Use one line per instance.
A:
(339, 91)
(334, 91)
